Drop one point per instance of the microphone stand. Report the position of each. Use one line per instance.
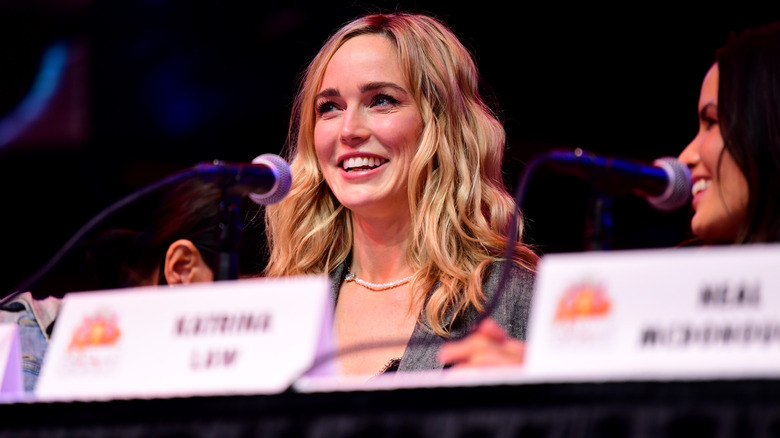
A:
(230, 225)
(230, 228)
(599, 224)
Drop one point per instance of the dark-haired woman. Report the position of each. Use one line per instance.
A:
(735, 157)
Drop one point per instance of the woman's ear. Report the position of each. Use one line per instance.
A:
(184, 264)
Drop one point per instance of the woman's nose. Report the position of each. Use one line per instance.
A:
(690, 155)
(354, 129)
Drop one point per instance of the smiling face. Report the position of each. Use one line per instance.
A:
(367, 127)
(720, 190)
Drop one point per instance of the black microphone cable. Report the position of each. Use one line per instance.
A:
(506, 266)
(215, 170)
(520, 194)
(85, 229)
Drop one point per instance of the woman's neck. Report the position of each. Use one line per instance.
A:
(379, 249)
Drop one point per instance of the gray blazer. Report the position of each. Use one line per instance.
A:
(510, 311)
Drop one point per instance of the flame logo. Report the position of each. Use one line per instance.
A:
(101, 329)
(585, 300)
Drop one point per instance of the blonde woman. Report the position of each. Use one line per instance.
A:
(398, 195)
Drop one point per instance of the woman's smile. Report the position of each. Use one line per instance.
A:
(362, 163)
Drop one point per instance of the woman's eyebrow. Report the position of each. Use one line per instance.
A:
(371, 86)
(376, 85)
(328, 92)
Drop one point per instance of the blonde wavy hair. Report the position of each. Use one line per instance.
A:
(461, 211)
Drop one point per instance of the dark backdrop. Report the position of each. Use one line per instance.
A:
(153, 87)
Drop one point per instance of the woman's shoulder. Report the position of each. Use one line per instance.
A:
(42, 311)
(508, 288)
(510, 276)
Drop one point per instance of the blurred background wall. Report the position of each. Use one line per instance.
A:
(101, 98)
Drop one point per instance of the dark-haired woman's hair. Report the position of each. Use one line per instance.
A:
(192, 210)
(749, 115)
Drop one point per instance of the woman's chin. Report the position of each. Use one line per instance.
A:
(714, 231)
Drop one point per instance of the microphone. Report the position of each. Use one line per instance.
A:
(266, 180)
(283, 178)
(666, 184)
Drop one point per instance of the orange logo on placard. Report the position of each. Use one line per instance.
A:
(583, 300)
(100, 329)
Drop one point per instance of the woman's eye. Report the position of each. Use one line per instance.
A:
(709, 116)
(383, 99)
(325, 107)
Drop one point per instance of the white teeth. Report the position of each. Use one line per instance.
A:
(700, 185)
(351, 163)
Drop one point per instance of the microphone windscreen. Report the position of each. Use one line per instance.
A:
(283, 179)
(678, 191)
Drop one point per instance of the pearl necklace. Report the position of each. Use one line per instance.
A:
(377, 287)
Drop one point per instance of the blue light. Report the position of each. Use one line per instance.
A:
(30, 108)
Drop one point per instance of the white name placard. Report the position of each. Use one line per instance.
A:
(706, 312)
(229, 337)
(10, 360)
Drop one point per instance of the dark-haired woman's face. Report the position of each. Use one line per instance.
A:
(720, 190)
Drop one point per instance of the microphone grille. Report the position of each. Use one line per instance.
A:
(678, 192)
(283, 175)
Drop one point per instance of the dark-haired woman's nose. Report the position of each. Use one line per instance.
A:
(690, 155)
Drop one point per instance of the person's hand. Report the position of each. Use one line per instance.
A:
(488, 345)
